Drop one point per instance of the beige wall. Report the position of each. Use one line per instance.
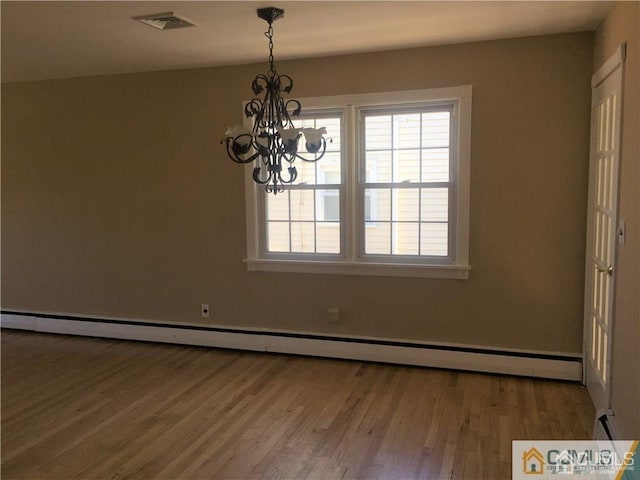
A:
(623, 25)
(118, 200)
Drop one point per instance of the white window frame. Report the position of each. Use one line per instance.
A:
(352, 260)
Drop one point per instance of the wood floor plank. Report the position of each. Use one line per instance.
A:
(86, 408)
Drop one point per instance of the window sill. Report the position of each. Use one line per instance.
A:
(458, 272)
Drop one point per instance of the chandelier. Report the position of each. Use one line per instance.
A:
(273, 139)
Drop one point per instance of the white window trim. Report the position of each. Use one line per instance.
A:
(350, 263)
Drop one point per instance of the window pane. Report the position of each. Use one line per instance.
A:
(278, 236)
(331, 207)
(333, 132)
(328, 237)
(435, 129)
(405, 238)
(406, 129)
(328, 205)
(306, 172)
(406, 166)
(435, 165)
(303, 237)
(377, 132)
(302, 207)
(329, 169)
(332, 177)
(434, 204)
(304, 122)
(378, 166)
(434, 239)
(367, 206)
(379, 200)
(405, 204)
(278, 206)
(377, 238)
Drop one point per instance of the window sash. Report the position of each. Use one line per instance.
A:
(262, 200)
(364, 186)
(311, 215)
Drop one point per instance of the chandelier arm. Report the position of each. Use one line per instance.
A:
(288, 86)
(294, 112)
(274, 188)
(293, 174)
(253, 108)
(260, 84)
(275, 109)
(233, 156)
(318, 155)
(258, 122)
(257, 179)
(297, 107)
(280, 113)
(262, 115)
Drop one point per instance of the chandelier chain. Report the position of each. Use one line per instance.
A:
(269, 35)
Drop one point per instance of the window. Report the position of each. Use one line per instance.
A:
(389, 197)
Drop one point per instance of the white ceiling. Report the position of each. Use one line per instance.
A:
(42, 40)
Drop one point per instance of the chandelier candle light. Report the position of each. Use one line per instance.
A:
(274, 138)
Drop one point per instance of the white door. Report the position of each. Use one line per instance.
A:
(602, 227)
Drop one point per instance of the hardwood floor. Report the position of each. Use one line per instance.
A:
(76, 407)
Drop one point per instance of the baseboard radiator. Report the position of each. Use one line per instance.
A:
(541, 364)
(604, 426)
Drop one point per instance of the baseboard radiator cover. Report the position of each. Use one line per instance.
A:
(604, 426)
(562, 366)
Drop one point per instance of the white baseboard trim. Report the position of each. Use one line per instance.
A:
(563, 366)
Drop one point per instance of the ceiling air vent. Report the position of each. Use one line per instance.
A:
(164, 21)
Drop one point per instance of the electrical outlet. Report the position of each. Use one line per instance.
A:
(334, 315)
(205, 310)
